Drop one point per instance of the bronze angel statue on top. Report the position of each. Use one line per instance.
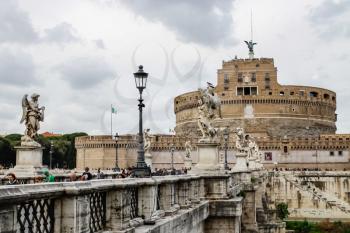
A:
(32, 115)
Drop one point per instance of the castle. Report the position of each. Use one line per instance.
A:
(294, 126)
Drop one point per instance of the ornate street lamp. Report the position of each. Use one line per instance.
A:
(226, 135)
(141, 170)
(116, 137)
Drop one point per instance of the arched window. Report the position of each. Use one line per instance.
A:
(313, 94)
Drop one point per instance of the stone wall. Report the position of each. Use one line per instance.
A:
(301, 152)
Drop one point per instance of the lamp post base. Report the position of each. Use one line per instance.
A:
(142, 171)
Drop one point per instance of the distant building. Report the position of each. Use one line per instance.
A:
(293, 125)
(48, 135)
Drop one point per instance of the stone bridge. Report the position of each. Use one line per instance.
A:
(231, 202)
(312, 195)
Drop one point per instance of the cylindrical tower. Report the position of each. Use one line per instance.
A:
(252, 98)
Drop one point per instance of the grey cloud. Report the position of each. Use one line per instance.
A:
(207, 22)
(61, 33)
(328, 10)
(85, 72)
(100, 44)
(15, 25)
(331, 19)
(16, 68)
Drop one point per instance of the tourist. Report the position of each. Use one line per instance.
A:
(100, 174)
(12, 179)
(86, 175)
(49, 177)
(72, 176)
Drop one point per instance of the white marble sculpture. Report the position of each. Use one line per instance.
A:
(188, 148)
(188, 152)
(31, 116)
(147, 138)
(209, 109)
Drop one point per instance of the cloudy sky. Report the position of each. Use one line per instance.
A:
(80, 55)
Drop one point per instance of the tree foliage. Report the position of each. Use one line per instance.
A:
(282, 210)
(64, 153)
(322, 227)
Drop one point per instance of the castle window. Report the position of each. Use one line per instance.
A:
(247, 91)
(292, 93)
(254, 90)
(267, 87)
(257, 65)
(281, 92)
(326, 96)
(267, 77)
(285, 149)
(225, 88)
(301, 93)
(240, 77)
(226, 79)
(253, 77)
(313, 94)
(270, 93)
(331, 153)
(333, 98)
(340, 153)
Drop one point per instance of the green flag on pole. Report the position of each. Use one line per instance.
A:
(113, 110)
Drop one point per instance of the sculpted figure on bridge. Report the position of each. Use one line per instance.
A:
(240, 141)
(188, 148)
(209, 109)
(31, 116)
(147, 141)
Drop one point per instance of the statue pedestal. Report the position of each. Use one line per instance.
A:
(241, 162)
(252, 164)
(148, 160)
(188, 162)
(208, 158)
(28, 160)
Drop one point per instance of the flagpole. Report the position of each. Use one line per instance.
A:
(111, 121)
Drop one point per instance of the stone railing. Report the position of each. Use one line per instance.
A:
(186, 203)
(113, 204)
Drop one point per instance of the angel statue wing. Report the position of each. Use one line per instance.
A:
(25, 105)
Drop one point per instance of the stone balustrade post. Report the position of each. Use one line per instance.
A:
(194, 191)
(202, 191)
(166, 198)
(75, 215)
(8, 218)
(117, 210)
(183, 193)
(147, 200)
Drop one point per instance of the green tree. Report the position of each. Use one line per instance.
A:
(303, 227)
(64, 153)
(282, 211)
(7, 153)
